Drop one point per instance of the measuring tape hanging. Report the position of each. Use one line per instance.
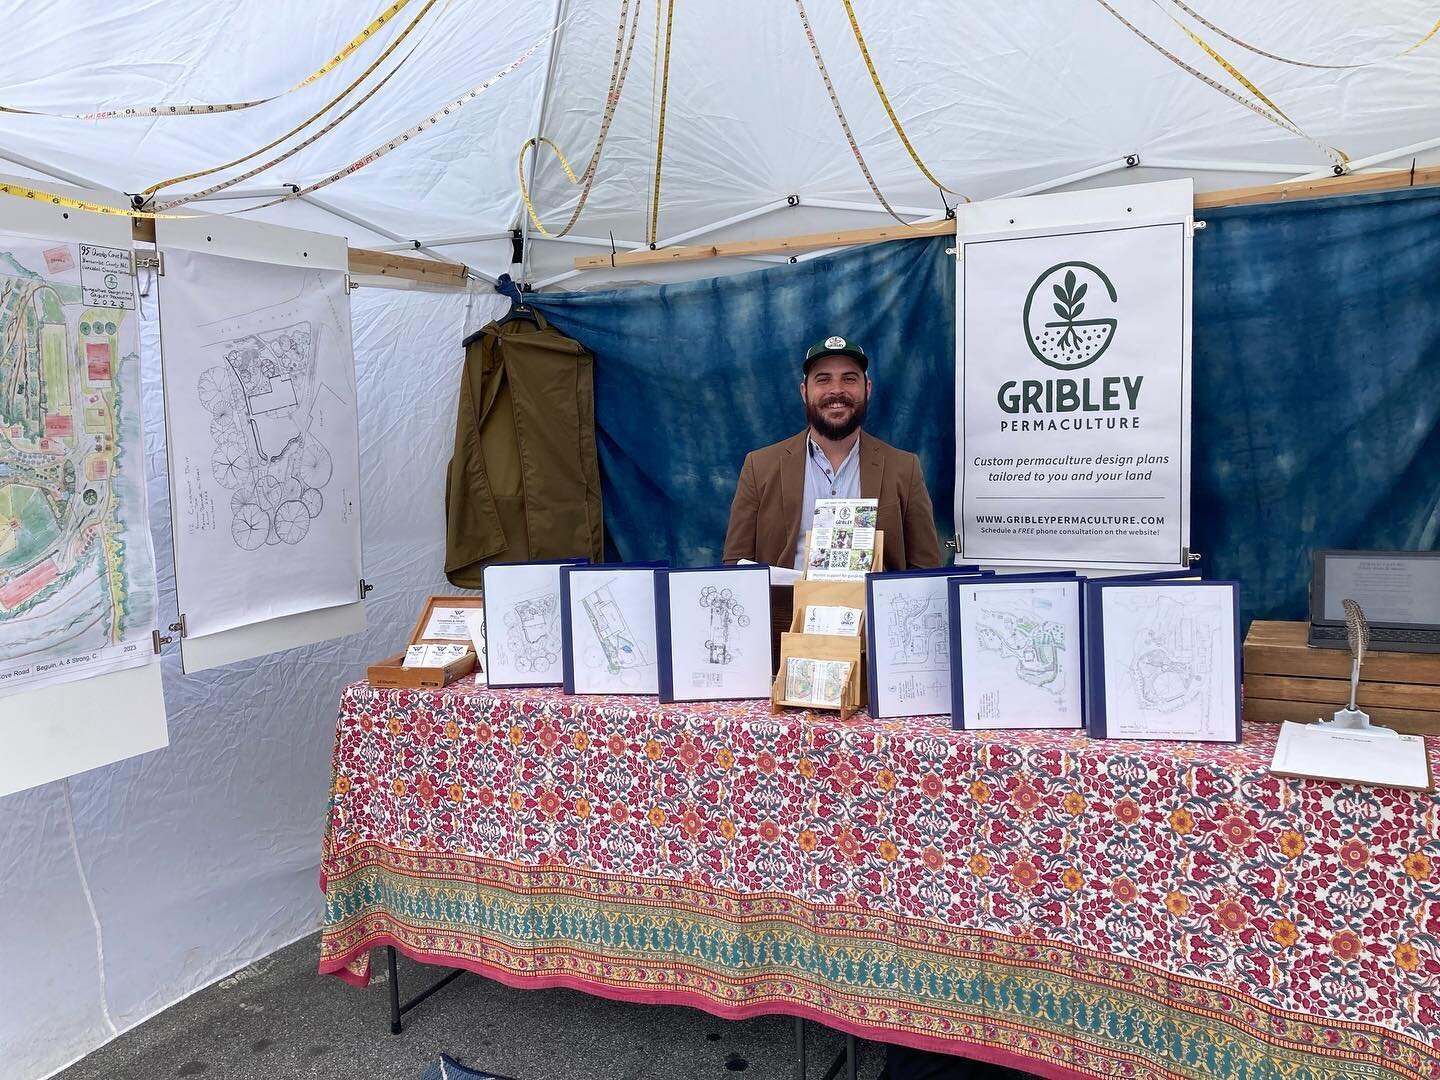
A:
(411, 132)
(234, 106)
(840, 113)
(653, 229)
(885, 100)
(331, 126)
(1338, 157)
(619, 68)
(1297, 63)
(1230, 68)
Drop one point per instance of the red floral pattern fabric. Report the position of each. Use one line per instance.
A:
(1291, 921)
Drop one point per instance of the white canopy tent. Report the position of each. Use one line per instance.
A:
(129, 887)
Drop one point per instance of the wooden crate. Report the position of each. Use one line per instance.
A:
(1286, 679)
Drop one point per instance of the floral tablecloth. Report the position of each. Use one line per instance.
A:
(1070, 906)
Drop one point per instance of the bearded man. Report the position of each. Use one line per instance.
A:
(831, 459)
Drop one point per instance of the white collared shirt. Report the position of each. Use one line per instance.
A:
(823, 482)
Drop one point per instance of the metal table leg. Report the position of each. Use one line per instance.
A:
(396, 1009)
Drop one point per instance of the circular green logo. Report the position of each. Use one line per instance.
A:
(1057, 329)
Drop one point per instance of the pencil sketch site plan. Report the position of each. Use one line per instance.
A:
(1020, 654)
(264, 452)
(77, 574)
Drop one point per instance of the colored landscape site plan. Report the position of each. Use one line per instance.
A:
(77, 576)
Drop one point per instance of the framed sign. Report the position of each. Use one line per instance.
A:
(1072, 383)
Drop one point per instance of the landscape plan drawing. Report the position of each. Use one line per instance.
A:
(714, 633)
(264, 447)
(1169, 661)
(1020, 654)
(524, 644)
(609, 630)
(77, 572)
(910, 644)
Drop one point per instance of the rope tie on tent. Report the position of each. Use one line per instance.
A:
(1337, 156)
(840, 113)
(234, 106)
(653, 229)
(619, 68)
(1287, 60)
(412, 132)
(889, 110)
(325, 130)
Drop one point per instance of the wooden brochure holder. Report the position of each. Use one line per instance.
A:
(795, 643)
(390, 675)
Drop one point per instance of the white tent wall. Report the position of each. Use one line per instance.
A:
(202, 857)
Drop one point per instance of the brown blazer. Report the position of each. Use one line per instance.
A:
(765, 516)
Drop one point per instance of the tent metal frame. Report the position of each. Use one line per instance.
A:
(385, 263)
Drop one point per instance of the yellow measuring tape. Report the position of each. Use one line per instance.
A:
(36, 195)
(840, 113)
(306, 123)
(654, 227)
(619, 68)
(411, 132)
(1287, 60)
(885, 100)
(234, 106)
(1339, 157)
(1230, 68)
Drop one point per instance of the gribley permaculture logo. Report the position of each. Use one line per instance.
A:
(1068, 323)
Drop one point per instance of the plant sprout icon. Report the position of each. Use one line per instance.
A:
(1069, 308)
(1074, 341)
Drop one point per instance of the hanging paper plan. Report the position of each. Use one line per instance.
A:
(263, 439)
(77, 575)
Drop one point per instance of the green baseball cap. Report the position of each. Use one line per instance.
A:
(836, 346)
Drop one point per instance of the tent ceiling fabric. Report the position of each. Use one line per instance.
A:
(996, 97)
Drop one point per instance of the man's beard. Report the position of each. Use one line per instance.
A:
(835, 432)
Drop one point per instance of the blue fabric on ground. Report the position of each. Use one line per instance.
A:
(447, 1068)
(1316, 384)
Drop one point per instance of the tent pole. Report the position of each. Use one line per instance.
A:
(1374, 159)
(680, 238)
(538, 127)
(382, 231)
(444, 241)
(1268, 167)
(1073, 178)
(52, 171)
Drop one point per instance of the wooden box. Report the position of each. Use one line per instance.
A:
(1286, 679)
(429, 630)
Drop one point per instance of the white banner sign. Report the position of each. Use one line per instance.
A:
(1073, 394)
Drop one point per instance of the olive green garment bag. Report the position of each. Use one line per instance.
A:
(524, 481)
